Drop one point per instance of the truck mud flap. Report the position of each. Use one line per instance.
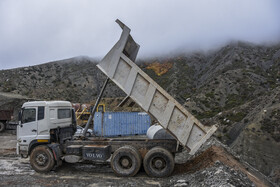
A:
(57, 153)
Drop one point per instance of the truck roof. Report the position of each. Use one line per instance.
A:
(48, 103)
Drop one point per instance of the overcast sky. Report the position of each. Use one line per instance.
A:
(39, 31)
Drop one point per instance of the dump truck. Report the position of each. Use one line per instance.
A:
(46, 128)
(5, 120)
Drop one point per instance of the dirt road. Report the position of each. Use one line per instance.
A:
(8, 143)
(15, 171)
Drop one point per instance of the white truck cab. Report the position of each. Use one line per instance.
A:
(40, 122)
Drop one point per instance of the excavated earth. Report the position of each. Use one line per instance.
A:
(217, 157)
(213, 165)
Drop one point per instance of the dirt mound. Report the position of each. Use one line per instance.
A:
(208, 158)
(217, 175)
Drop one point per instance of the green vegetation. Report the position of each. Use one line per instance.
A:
(206, 103)
(208, 114)
(210, 95)
(236, 117)
(271, 125)
(234, 100)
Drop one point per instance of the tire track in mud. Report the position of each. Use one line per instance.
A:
(17, 171)
(15, 166)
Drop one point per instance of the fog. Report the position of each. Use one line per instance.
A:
(34, 32)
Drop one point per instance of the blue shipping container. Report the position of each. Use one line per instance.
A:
(121, 123)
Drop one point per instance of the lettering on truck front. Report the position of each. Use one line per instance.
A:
(94, 155)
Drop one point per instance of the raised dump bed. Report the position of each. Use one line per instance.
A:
(119, 66)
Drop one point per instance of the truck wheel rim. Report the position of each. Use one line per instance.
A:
(158, 163)
(41, 159)
(125, 162)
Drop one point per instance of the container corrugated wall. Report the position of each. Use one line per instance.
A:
(121, 123)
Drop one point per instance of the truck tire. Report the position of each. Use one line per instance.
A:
(158, 162)
(126, 161)
(41, 159)
(2, 127)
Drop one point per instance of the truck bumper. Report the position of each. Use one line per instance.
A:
(22, 149)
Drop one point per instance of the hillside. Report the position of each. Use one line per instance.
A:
(237, 87)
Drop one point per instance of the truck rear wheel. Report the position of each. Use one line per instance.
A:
(158, 162)
(2, 127)
(41, 159)
(126, 161)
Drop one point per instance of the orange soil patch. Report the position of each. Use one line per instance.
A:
(208, 158)
(160, 68)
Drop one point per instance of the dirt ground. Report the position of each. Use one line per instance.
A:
(8, 143)
(209, 157)
(15, 171)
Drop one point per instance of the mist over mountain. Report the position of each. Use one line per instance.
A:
(236, 86)
(29, 34)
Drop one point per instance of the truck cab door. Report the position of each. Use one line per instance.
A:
(28, 127)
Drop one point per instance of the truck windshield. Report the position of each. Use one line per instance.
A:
(28, 115)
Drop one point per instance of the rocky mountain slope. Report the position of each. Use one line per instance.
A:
(237, 87)
(76, 80)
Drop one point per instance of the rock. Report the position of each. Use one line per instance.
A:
(181, 181)
(181, 184)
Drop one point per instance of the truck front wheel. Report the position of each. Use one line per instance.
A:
(126, 161)
(158, 162)
(2, 127)
(41, 159)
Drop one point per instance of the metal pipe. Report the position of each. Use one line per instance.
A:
(95, 106)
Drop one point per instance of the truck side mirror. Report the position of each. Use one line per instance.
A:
(74, 120)
(20, 117)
